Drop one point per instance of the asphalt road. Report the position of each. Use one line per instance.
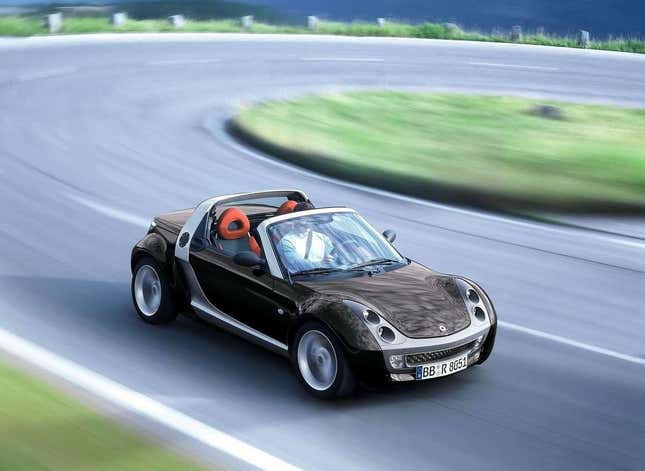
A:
(98, 135)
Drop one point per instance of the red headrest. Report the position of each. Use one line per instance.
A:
(235, 218)
(254, 246)
(287, 207)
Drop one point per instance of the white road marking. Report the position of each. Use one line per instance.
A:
(225, 137)
(138, 403)
(342, 59)
(184, 61)
(42, 74)
(513, 66)
(572, 343)
(110, 211)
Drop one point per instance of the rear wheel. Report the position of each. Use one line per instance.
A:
(320, 363)
(151, 292)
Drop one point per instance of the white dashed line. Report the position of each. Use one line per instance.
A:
(138, 403)
(43, 74)
(342, 59)
(110, 211)
(184, 61)
(513, 66)
(572, 343)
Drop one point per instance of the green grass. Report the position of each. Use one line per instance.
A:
(29, 26)
(42, 429)
(477, 149)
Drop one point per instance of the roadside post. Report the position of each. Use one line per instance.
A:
(247, 21)
(119, 19)
(54, 22)
(516, 33)
(312, 22)
(178, 21)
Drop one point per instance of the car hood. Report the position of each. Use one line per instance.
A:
(414, 299)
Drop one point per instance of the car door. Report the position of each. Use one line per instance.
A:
(244, 293)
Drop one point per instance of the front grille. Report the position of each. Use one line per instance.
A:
(415, 359)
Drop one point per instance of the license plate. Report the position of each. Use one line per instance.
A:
(441, 368)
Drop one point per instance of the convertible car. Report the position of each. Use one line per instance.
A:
(318, 285)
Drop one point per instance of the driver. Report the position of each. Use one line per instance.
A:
(303, 248)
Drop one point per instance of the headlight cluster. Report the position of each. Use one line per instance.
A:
(382, 330)
(473, 300)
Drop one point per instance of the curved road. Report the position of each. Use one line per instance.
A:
(99, 134)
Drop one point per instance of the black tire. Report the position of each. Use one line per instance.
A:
(165, 311)
(344, 382)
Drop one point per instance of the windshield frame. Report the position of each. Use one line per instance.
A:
(276, 267)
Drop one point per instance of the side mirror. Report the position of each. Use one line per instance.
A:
(248, 259)
(390, 235)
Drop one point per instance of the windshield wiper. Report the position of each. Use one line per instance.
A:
(317, 271)
(376, 261)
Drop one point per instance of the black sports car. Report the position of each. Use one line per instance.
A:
(318, 285)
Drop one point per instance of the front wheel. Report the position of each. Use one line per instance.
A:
(320, 363)
(151, 292)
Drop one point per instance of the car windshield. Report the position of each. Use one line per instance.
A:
(330, 242)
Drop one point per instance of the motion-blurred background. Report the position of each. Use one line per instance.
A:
(616, 18)
(502, 140)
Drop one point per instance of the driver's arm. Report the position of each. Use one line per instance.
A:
(329, 246)
(290, 257)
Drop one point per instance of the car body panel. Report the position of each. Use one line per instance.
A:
(416, 300)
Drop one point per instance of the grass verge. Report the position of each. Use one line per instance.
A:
(41, 428)
(30, 26)
(480, 150)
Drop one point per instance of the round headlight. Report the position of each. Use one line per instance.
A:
(480, 315)
(386, 334)
(371, 317)
(472, 296)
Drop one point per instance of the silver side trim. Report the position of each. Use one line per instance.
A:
(205, 310)
(234, 326)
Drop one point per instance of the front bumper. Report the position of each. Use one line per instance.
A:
(375, 367)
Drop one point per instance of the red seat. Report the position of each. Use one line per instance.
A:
(233, 228)
(287, 207)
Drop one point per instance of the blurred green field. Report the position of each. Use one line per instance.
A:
(42, 429)
(483, 150)
(31, 26)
